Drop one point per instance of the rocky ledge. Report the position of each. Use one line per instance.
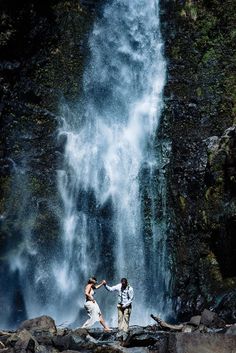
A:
(203, 333)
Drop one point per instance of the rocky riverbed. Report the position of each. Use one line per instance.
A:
(204, 333)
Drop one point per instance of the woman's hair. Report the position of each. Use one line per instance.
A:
(92, 280)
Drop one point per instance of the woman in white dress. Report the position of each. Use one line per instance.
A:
(91, 305)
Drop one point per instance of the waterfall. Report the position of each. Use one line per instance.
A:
(111, 184)
(110, 144)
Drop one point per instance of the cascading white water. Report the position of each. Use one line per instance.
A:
(112, 182)
(109, 139)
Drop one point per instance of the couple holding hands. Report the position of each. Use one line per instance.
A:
(124, 306)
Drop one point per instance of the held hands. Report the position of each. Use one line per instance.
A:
(104, 282)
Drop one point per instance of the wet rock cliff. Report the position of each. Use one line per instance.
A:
(199, 124)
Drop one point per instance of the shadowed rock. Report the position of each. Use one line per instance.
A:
(195, 320)
(211, 319)
(201, 343)
(44, 323)
(138, 340)
(22, 341)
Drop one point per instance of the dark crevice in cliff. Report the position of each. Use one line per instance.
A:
(223, 244)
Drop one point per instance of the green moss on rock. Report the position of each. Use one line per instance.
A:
(199, 107)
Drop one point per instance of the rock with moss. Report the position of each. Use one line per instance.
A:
(199, 107)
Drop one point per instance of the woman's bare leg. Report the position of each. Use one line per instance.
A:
(102, 322)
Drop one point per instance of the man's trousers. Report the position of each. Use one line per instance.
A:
(123, 318)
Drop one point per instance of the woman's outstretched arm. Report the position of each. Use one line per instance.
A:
(100, 284)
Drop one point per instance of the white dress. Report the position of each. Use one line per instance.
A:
(93, 312)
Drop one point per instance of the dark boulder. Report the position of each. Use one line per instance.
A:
(23, 341)
(43, 323)
(227, 307)
(195, 320)
(140, 337)
(74, 341)
(211, 319)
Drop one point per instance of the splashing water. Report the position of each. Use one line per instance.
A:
(109, 139)
(111, 183)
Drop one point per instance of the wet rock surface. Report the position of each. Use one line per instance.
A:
(138, 340)
(199, 124)
(42, 323)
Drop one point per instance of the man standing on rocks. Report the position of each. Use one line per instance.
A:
(124, 306)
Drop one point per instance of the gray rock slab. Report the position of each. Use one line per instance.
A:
(201, 343)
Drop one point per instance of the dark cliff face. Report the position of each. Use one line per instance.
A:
(200, 105)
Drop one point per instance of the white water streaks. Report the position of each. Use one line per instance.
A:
(109, 140)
